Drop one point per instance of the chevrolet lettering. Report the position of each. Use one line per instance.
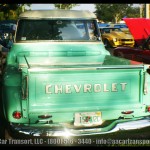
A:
(86, 88)
(60, 80)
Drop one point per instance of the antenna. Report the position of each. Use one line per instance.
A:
(26, 61)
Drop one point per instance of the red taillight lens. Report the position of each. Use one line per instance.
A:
(17, 115)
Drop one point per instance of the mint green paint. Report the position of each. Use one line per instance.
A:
(68, 77)
(49, 49)
(91, 56)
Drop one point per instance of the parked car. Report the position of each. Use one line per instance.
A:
(122, 26)
(103, 24)
(140, 29)
(6, 28)
(114, 37)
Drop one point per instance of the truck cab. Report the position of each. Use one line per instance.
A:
(59, 79)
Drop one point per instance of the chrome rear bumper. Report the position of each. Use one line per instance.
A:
(114, 127)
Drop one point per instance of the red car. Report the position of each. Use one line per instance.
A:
(140, 29)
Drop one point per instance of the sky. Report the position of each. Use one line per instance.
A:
(90, 7)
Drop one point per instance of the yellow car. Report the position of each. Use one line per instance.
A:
(122, 26)
(114, 37)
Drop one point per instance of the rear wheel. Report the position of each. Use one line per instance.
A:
(7, 135)
(4, 133)
(4, 130)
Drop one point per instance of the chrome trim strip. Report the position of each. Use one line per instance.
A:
(41, 131)
(60, 68)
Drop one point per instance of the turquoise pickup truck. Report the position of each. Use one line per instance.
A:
(60, 80)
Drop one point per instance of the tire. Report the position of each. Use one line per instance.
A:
(2, 130)
(4, 133)
(2, 121)
(7, 135)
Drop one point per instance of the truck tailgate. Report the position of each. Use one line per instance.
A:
(78, 89)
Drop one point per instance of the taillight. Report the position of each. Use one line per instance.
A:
(17, 115)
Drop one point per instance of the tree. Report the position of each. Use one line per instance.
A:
(114, 12)
(102, 12)
(133, 12)
(11, 10)
(64, 6)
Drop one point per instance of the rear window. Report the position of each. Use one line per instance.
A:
(57, 30)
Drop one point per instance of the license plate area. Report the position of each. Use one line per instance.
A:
(88, 119)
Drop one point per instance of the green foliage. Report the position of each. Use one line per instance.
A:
(2, 16)
(64, 6)
(104, 12)
(11, 11)
(133, 12)
(7, 7)
(115, 12)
